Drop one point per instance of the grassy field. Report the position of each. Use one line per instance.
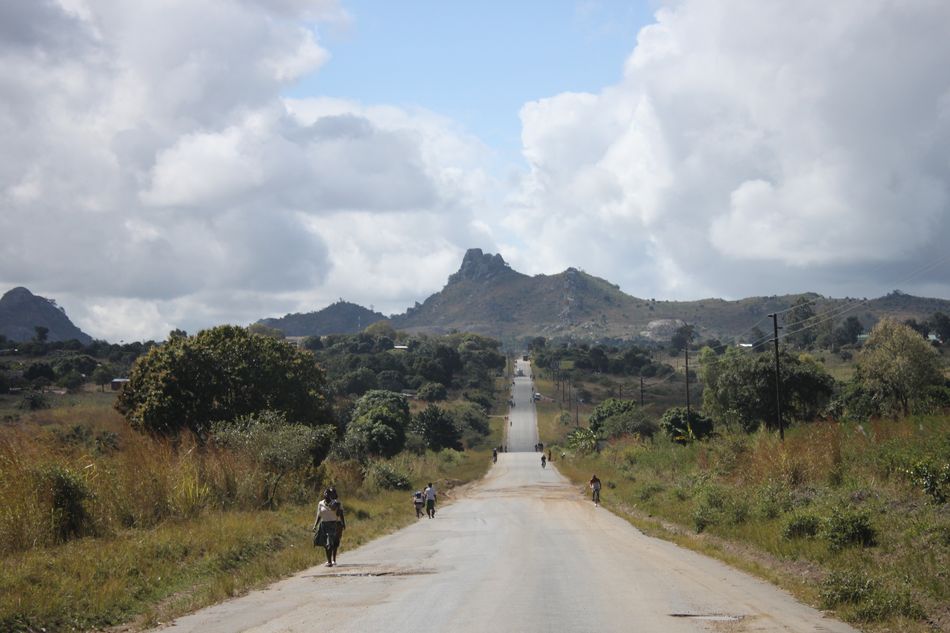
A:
(848, 517)
(100, 526)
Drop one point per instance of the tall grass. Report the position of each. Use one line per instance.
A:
(849, 501)
(94, 533)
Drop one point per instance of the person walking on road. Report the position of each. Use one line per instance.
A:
(544, 460)
(494, 455)
(595, 489)
(418, 502)
(329, 525)
(429, 495)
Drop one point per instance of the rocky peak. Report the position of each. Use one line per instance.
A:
(479, 266)
(17, 296)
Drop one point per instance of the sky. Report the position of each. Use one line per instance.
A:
(183, 163)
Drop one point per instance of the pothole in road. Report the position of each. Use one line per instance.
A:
(714, 617)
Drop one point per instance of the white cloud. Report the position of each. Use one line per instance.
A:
(150, 155)
(751, 147)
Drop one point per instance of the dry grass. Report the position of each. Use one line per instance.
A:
(104, 526)
(756, 494)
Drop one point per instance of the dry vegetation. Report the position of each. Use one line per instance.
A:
(100, 525)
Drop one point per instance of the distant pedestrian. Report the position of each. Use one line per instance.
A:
(329, 525)
(418, 501)
(429, 495)
(595, 489)
(550, 458)
(543, 460)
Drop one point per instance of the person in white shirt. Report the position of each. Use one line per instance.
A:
(329, 525)
(429, 495)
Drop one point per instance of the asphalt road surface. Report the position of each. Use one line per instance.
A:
(523, 551)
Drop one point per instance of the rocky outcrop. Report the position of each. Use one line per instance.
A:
(479, 266)
(21, 312)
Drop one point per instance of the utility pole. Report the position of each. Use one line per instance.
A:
(641, 391)
(778, 382)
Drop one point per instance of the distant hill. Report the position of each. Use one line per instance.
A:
(21, 311)
(487, 296)
(341, 317)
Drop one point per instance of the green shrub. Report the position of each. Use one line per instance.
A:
(773, 499)
(682, 431)
(650, 491)
(801, 526)
(67, 493)
(386, 477)
(872, 601)
(931, 478)
(845, 528)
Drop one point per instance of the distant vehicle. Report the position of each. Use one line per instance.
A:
(537, 396)
(519, 373)
(524, 358)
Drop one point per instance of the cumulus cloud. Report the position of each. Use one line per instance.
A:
(154, 175)
(752, 147)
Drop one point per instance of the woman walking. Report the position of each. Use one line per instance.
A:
(329, 525)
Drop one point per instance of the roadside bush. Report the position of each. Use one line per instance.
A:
(385, 476)
(66, 493)
(931, 478)
(845, 528)
(33, 402)
(801, 526)
(773, 500)
(682, 430)
(871, 601)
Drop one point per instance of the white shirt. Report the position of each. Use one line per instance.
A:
(325, 512)
(430, 494)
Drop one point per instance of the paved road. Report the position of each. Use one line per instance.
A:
(523, 552)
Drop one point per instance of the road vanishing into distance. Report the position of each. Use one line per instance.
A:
(522, 551)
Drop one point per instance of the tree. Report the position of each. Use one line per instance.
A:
(221, 374)
(940, 324)
(614, 418)
(799, 322)
(432, 392)
(682, 337)
(896, 366)
(921, 328)
(683, 428)
(102, 376)
(378, 425)
(71, 380)
(42, 333)
(739, 388)
(437, 429)
(847, 333)
(264, 330)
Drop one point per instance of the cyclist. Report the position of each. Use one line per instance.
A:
(544, 460)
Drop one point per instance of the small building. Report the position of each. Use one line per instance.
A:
(402, 347)
(117, 383)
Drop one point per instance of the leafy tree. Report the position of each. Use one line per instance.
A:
(537, 344)
(940, 324)
(847, 333)
(896, 366)
(582, 440)
(378, 425)
(921, 328)
(682, 337)
(739, 388)
(633, 422)
(40, 370)
(437, 429)
(221, 374)
(356, 382)
(799, 321)
(610, 408)
(684, 429)
(102, 376)
(71, 380)
(432, 392)
(42, 333)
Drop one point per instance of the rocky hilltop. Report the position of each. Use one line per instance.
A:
(21, 312)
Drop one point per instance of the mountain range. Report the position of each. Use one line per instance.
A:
(487, 296)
